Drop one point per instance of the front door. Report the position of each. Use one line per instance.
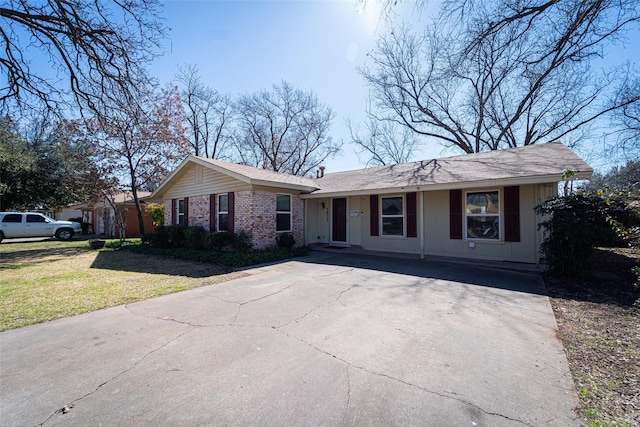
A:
(339, 220)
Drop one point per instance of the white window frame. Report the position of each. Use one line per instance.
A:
(289, 212)
(221, 212)
(179, 215)
(403, 216)
(468, 215)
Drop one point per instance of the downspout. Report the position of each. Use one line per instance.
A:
(422, 227)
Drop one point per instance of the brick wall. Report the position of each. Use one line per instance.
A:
(255, 212)
(167, 212)
(199, 211)
(297, 219)
(130, 217)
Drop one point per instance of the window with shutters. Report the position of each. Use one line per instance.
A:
(223, 212)
(392, 216)
(482, 212)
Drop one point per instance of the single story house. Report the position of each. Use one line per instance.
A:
(101, 216)
(105, 219)
(471, 206)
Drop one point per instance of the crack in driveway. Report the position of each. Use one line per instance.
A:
(399, 380)
(70, 405)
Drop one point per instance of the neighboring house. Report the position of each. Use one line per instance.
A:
(101, 215)
(105, 219)
(472, 206)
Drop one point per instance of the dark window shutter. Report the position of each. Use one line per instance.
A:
(412, 216)
(186, 211)
(455, 214)
(374, 227)
(232, 211)
(212, 212)
(173, 211)
(512, 214)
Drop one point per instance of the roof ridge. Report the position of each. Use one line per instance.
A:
(454, 157)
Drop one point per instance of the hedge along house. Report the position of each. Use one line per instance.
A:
(477, 206)
(222, 196)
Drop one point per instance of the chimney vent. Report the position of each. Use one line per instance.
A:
(321, 171)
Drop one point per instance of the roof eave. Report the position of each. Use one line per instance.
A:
(540, 179)
(283, 185)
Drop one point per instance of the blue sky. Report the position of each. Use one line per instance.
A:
(244, 46)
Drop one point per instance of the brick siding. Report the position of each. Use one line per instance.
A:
(255, 213)
(167, 212)
(199, 211)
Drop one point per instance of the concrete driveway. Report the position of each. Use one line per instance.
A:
(332, 339)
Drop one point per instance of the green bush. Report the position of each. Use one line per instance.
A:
(219, 241)
(176, 236)
(159, 238)
(242, 242)
(285, 240)
(195, 237)
(228, 259)
(578, 223)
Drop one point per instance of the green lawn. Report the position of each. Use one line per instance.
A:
(41, 281)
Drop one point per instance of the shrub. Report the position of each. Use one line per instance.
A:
(285, 240)
(156, 212)
(176, 236)
(195, 237)
(219, 241)
(242, 242)
(159, 238)
(575, 225)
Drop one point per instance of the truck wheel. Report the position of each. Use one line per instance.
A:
(64, 234)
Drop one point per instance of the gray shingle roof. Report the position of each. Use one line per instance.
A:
(540, 163)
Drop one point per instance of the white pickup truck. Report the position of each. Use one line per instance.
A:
(32, 224)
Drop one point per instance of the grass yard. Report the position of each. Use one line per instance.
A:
(41, 281)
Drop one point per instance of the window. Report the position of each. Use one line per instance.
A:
(223, 212)
(180, 213)
(392, 216)
(483, 215)
(12, 218)
(36, 218)
(283, 212)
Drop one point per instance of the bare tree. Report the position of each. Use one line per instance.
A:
(141, 141)
(100, 48)
(626, 122)
(284, 130)
(384, 142)
(208, 115)
(491, 75)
